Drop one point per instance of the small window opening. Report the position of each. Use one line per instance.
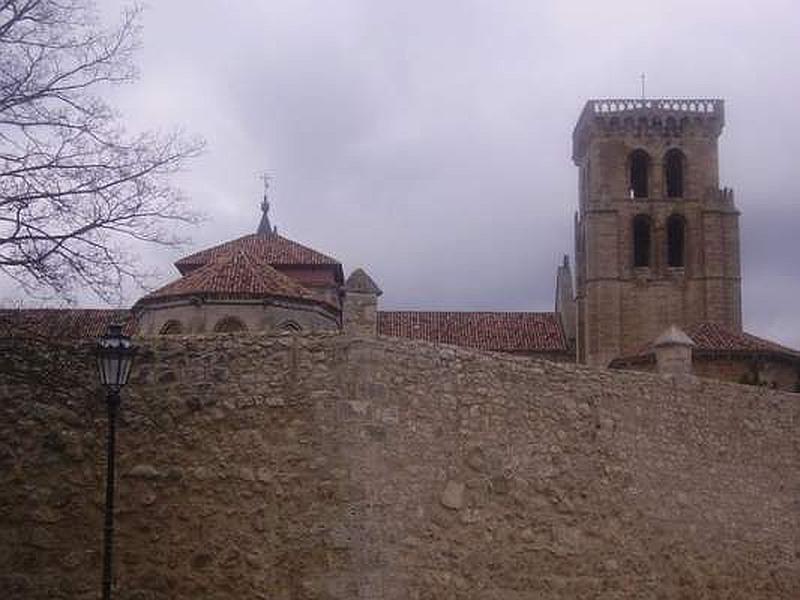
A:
(676, 241)
(289, 327)
(639, 166)
(673, 173)
(229, 325)
(641, 241)
(172, 327)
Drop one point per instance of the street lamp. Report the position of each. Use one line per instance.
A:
(114, 357)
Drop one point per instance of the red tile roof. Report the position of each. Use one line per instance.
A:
(714, 338)
(520, 332)
(235, 275)
(271, 249)
(62, 323)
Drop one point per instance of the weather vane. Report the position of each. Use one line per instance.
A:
(265, 178)
(264, 227)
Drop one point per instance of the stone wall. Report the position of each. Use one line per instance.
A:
(311, 467)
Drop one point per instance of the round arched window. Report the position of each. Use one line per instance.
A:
(289, 327)
(229, 325)
(171, 327)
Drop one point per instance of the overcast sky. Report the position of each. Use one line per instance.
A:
(429, 142)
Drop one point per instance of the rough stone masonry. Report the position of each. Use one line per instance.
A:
(331, 467)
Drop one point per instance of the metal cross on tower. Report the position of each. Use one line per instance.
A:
(264, 227)
(265, 178)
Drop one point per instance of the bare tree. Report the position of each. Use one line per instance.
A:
(73, 185)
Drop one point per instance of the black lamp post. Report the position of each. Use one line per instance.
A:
(115, 354)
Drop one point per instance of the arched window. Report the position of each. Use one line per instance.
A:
(674, 162)
(676, 241)
(171, 327)
(639, 171)
(289, 327)
(641, 241)
(229, 325)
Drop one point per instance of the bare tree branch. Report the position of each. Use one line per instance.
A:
(73, 186)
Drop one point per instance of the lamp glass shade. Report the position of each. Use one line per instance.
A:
(114, 355)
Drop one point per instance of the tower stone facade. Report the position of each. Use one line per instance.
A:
(656, 238)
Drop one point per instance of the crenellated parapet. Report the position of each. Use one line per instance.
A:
(722, 197)
(687, 105)
(664, 117)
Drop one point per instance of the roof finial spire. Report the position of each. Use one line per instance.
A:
(642, 77)
(264, 227)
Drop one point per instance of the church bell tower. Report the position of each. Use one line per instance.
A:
(656, 238)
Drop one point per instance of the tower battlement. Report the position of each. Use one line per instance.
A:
(666, 117)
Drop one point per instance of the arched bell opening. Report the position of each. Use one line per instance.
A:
(639, 174)
(674, 169)
(641, 241)
(676, 241)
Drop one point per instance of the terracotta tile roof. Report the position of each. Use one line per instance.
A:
(499, 331)
(235, 275)
(271, 249)
(62, 323)
(715, 338)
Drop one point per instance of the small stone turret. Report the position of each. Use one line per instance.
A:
(673, 350)
(565, 300)
(360, 306)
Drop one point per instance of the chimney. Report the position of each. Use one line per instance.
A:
(673, 350)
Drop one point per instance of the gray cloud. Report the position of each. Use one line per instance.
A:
(430, 141)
